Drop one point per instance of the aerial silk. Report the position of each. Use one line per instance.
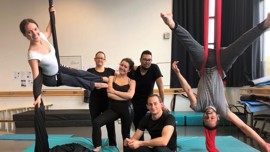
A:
(206, 25)
(218, 34)
(55, 43)
(41, 142)
(218, 11)
(211, 134)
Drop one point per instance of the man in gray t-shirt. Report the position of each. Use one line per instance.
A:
(211, 97)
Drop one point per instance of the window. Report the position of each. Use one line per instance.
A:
(265, 38)
(211, 28)
(266, 44)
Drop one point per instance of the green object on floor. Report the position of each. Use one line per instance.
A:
(185, 144)
(179, 118)
(223, 143)
(86, 142)
(29, 136)
(188, 118)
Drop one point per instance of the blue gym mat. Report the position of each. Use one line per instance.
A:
(29, 136)
(185, 144)
(86, 142)
(223, 143)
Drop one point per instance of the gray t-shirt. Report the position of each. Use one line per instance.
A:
(211, 93)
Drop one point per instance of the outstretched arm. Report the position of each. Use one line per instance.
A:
(48, 31)
(247, 130)
(37, 81)
(184, 84)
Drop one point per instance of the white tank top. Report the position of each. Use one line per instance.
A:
(48, 62)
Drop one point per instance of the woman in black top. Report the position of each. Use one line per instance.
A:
(120, 91)
(99, 98)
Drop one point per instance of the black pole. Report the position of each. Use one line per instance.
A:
(55, 43)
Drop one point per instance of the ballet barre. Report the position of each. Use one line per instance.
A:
(44, 93)
(174, 92)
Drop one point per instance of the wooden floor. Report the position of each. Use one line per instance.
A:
(20, 145)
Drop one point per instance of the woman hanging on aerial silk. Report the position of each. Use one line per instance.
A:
(44, 64)
(46, 70)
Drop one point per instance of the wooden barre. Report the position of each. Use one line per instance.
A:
(44, 93)
(258, 91)
(47, 105)
(4, 120)
(171, 91)
(72, 92)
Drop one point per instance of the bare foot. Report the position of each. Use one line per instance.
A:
(97, 149)
(266, 23)
(168, 19)
(101, 85)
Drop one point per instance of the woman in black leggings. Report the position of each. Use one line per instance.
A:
(120, 91)
(99, 98)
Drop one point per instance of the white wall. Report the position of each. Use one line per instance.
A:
(120, 28)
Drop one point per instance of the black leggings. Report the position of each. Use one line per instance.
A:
(139, 112)
(73, 78)
(228, 55)
(117, 109)
(97, 105)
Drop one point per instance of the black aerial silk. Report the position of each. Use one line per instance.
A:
(72, 147)
(42, 144)
(55, 43)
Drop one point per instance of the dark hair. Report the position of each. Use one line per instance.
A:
(25, 22)
(155, 95)
(129, 61)
(101, 53)
(209, 127)
(146, 52)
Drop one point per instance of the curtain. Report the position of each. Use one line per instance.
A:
(238, 16)
(189, 14)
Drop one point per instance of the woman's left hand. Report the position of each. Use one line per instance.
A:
(111, 90)
(52, 9)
